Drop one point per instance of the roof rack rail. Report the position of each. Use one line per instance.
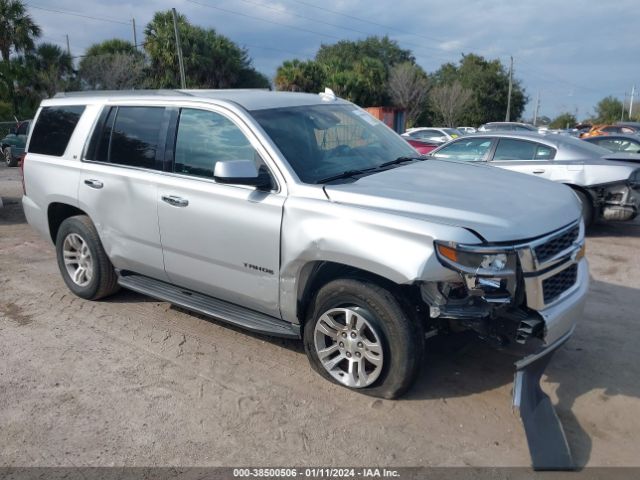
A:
(122, 93)
(190, 92)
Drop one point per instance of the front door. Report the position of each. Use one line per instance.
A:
(217, 239)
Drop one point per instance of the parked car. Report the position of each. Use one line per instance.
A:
(617, 143)
(507, 127)
(466, 130)
(422, 146)
(302, 216)
(13, 143)
(608, 185)
(597, 130)
(432, 134)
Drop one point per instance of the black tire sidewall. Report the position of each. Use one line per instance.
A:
(77, 226)
(401, 341)
(588, 211)
(8, 157)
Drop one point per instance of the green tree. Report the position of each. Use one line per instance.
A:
(53, 69)
(211, 60)
(112, 65)
(300, 76)
(17, 34)
(489, 82)
(356, 70)
(564, 120)
(608, 110)
(17, 29)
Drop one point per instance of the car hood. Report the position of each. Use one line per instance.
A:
(498, 205)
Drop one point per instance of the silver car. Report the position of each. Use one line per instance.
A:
(302, 216)
(607, 184)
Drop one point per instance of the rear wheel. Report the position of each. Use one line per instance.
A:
(358, 336)
(84, 264)
(8, 157)
(588, 210)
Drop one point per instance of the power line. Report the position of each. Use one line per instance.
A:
(353, 17)
(264, 20)
(76, 14)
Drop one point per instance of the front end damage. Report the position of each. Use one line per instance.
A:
(525, 298)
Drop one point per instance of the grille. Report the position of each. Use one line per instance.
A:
(557, 244)
(553, 287)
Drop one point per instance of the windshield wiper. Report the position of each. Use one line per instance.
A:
(346, 174)
(400, 160)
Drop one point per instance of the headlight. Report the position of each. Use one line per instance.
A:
(486, 261)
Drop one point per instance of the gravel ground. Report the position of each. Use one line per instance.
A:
(132, 381)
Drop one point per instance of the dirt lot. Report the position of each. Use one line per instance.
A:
(132, 381)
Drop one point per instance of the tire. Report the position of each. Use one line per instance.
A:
(9, 158)
(385, 328)
(78, 238)
(588, 211)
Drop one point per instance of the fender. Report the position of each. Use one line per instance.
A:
(399, 249)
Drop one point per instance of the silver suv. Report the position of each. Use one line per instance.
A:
(302, 216)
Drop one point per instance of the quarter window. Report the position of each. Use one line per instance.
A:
(54, 128)
(205, 138)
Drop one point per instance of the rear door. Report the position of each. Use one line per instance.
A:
(221, 240)
(118, 185)
(524, 156)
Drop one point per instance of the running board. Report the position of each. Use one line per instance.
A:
(209, 306)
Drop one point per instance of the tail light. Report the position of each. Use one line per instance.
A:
(21, 166)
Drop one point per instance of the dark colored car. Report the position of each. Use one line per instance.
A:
(617, 143)
(422, 146)
(14, 142)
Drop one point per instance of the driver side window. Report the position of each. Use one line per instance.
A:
(205, 138)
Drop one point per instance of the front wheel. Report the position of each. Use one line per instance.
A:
(588, 210)
(357, 335)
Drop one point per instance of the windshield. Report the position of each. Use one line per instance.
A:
(320, 141)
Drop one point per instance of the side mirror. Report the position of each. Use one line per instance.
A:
(241, 172)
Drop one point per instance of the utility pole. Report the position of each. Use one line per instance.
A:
(508, 116)
(68, 47)
(135, 37)
(633, 92)
(535, 111)
(183, 81)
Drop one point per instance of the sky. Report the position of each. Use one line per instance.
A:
(571, 53)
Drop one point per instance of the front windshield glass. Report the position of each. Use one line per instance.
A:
(320, 141)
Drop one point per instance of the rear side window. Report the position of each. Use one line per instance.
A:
(53, 129)
(511, 149)
(129, 136)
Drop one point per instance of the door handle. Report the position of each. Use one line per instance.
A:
(538, 172)
(94, 183)
(175, 201)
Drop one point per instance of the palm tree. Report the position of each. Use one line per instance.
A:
(17, 29)
(53, 68)
(17, 32)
